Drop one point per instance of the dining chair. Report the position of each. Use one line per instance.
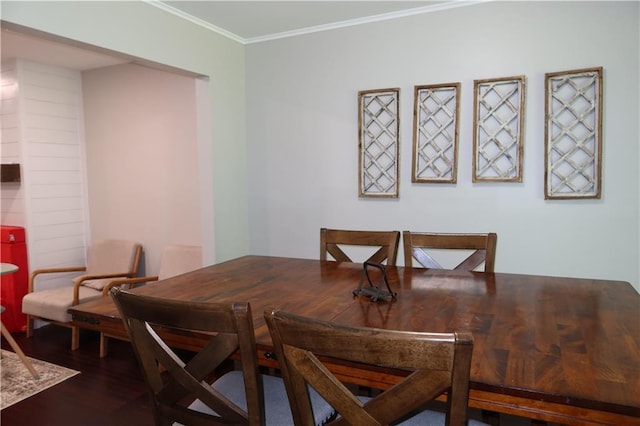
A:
(194, 393)
(384, 242)
(107, 260)
(482, 248)
(436, 363)
(176, 260)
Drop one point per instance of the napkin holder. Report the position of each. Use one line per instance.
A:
(375, 293)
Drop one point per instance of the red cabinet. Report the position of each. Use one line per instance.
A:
(13, 249)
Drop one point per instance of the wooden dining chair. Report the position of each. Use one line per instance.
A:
(436, 363)
(386, 243)
(181, 391)
(481, 246)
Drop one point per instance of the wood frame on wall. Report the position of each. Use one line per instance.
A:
(378, 143)
(498, 129)
(436, 109)
(573, 134)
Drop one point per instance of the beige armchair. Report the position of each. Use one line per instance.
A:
(107, 260)
(176, 260)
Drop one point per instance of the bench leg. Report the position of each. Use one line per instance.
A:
(104, 345)
(75, 338)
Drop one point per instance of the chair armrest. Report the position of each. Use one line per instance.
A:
(32, 277)
(81, 279)
(126, 281)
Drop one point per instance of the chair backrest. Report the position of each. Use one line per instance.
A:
(438, 362)
(179, 259)
(231, 328)
(113, 256)
(483, 247)
(386, 241)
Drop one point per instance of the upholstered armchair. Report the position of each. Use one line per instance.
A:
(107, 260)
(176, 260)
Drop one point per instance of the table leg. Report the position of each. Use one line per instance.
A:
(18, 351)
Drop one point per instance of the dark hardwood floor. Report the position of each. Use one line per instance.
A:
(108, 391)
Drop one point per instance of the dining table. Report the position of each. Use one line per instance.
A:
(552, 349)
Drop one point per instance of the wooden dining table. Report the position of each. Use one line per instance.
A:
(563, 350)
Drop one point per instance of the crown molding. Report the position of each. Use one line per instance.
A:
(177, 12)
(316, 28)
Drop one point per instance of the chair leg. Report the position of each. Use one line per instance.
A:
(75, 338)
(30, 322)
(104, 345)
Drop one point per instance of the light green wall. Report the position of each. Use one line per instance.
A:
(303, 140)
(144, 31)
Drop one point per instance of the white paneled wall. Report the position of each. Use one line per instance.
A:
(49, 123)
(12, 194)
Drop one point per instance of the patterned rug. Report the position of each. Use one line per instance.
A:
(18, 384)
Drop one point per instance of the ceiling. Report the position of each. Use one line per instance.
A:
(244, 21)
(251, 21)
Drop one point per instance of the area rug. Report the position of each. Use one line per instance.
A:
(18, 384)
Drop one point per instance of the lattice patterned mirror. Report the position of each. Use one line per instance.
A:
(498, 122)
(573, 134)
(378, 132)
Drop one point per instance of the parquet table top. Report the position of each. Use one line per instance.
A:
(557, 349)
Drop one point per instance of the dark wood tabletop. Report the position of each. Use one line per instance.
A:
(565, 350)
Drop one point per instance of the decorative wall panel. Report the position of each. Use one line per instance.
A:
(573, 134)
(498, 123)
(435, 133)
(378, 142)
